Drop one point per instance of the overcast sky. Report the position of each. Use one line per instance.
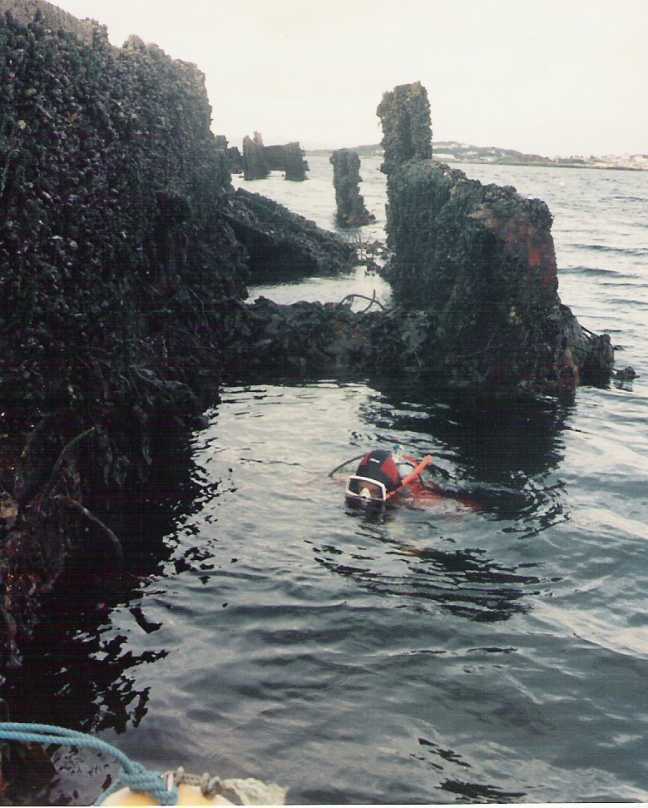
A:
(546, 76)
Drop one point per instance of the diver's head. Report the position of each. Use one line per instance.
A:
(376, 477)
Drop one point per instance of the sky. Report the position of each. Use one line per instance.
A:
(553, 77)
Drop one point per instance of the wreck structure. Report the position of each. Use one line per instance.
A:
(351, 210)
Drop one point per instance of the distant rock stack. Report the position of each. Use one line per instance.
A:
(255, 165)
(288, 158)
(351, 210)
(294, 164)
(407, 128)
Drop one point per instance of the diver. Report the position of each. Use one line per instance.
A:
(381, 477)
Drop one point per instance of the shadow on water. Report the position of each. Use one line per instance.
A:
(503, 454)
(77, 671)
(465, 583)
(488, 438)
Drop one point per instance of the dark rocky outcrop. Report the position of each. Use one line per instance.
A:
(260, 160)
(122, 278)
(480, 261)
(279, 242)
(255, 165)
(351, 210)
(315, 338)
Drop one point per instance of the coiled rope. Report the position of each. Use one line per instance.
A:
(133, 775)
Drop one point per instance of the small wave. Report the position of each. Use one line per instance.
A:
(593, 272)
(624, 198)
(605, 248)
(586, 271)
(628, 301)
(462, 582)
(626, 285)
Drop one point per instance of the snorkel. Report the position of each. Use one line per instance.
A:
(367, 491)
(413, 475)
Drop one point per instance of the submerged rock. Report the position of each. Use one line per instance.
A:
(351, 210)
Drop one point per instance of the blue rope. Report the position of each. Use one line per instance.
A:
(133, 774)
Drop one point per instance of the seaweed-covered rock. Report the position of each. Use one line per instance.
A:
(24, 11)
(309, 338)
(480, 260)
(351, 210)
(117, 273)
(281, 242)
(407, 130)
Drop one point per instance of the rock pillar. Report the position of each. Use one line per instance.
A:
(479, 260)
(295, 166)
(351, 210)
(255, 166)
(407, 129)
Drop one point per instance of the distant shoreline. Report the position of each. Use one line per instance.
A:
(533, 162)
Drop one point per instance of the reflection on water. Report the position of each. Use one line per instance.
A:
(462, 582)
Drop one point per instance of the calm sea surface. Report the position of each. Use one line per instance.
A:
(435, 655)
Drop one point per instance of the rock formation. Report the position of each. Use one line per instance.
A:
(407, 130)
(24, 11)
(295, 166)
(288, 158)
(235, 160)
(255, 165)
(279, 242)
(351, 210)
(480, 261)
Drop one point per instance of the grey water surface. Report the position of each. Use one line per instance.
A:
(445, 654)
